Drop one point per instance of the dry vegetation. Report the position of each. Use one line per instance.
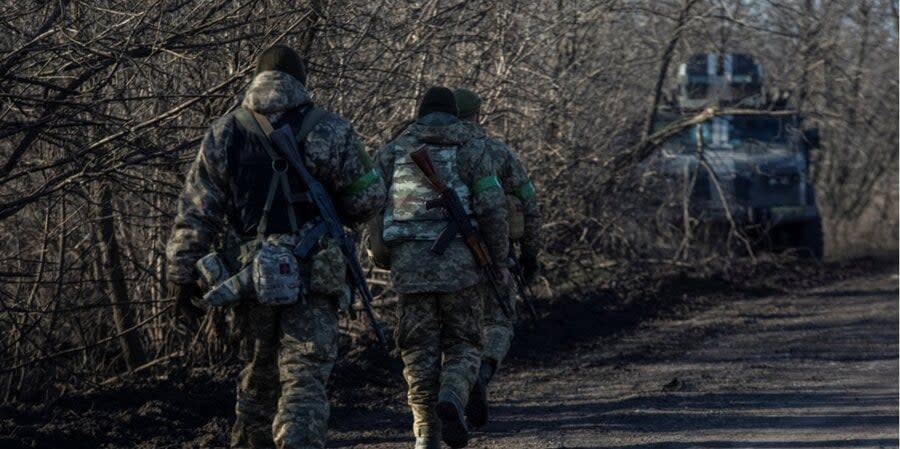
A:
(104, 104)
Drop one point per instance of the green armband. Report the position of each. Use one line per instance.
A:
(361, 183)
(525, 191)
(486, 183)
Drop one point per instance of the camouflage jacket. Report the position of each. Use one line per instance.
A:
(515, 181)
(333, 154)
(414, 268)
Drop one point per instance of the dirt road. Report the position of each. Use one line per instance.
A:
(814, 368)
(700, 362)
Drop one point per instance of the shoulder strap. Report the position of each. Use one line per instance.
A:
(312, 118)
(259, 126)
(251, 122)
(245, 118)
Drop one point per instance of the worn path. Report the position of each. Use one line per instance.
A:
(811, 369)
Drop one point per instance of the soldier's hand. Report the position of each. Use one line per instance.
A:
(184, 305)
(530, 268)
(505, 275)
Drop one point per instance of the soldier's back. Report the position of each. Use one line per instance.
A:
(410, 228)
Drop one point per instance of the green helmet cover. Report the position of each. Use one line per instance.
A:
(468, 103)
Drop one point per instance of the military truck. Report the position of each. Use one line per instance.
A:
(748, 163)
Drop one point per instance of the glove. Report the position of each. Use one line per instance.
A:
(530, 268)
(505, 275)
(184, 305)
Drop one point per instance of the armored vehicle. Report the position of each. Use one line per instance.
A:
(748, 163)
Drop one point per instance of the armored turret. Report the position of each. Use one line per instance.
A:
(728, 79)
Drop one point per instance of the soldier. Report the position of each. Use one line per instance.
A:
(281, 397)
(524, 230)
(440, 296)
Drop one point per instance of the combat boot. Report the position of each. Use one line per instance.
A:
(477, 408)
(454, 431)
(429, 442)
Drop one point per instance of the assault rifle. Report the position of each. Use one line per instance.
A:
(459, 225)
(330, 224)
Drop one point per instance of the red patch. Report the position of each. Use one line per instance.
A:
(285, 268)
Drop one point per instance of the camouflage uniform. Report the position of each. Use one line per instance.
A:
(499, 328)
(281, 398)
(440, 307)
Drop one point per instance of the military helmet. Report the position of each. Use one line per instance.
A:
(467, 102)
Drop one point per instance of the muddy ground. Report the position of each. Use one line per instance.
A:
(778, 357)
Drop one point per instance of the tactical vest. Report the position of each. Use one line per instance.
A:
(407, 216)
(251, 171)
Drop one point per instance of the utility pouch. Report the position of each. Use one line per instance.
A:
(212, 270)
(224, 289)
(329, 270)
(276, 275)
(515, 217)
(232, 290)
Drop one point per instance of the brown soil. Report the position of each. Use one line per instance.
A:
(777, 357)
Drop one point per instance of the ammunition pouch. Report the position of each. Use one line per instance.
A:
(515, 217)
(328, 273)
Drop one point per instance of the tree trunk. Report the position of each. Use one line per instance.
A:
(117, 287)
(808, 52)
(683, 16)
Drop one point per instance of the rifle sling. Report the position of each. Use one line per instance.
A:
(258, 125)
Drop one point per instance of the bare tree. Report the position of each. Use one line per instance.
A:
(103, 104)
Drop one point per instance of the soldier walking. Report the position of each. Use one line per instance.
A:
(439, 331)
(239, 185)
(524, 224)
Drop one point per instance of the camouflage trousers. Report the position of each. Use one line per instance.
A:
(498, 328)
(281, 397)
(439, 337)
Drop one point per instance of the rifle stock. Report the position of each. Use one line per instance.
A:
(423, 161)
